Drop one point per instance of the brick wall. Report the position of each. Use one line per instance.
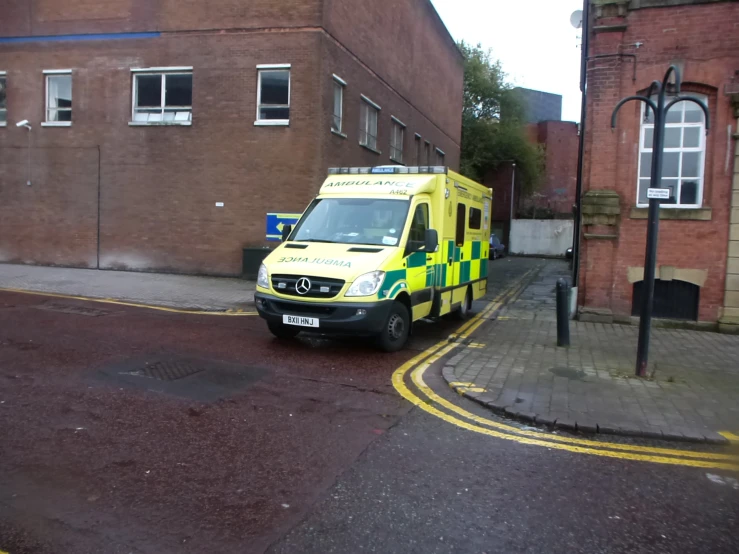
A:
(360, 80)
(406, 44)
(151, 196)
(159, 185)
(667, 35)
(54, 17)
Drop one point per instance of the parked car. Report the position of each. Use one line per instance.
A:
(497, 248)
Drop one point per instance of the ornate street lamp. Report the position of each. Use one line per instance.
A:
(655, 194)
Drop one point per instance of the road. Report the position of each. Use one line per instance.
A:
(295, 446)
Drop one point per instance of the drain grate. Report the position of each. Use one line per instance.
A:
(168, 370)
(72, 309)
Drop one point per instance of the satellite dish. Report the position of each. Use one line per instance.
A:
(576, 19)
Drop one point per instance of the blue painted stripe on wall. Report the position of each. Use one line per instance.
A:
(62, 38)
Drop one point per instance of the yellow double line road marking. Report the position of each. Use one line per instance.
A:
(420, 363)
(232, 313)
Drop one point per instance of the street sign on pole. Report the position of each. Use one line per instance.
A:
(659, 107)
(658, 194)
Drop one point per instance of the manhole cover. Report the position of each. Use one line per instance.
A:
(168, 370)
(196, 379)
(72, 309)
(568, 373)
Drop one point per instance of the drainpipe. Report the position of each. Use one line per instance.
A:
(581, 148)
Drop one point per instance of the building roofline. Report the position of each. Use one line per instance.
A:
(643, 4)
(444, 29)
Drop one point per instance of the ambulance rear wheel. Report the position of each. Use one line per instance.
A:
(397, 327)
(283, 331)
(464, 309)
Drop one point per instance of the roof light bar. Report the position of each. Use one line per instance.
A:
(388, 170)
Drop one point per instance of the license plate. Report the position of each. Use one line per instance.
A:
(300, 320)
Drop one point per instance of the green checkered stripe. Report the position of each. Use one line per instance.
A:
(473, 268)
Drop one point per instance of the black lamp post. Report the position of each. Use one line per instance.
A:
(654, 194)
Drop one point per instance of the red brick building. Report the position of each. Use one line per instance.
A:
(163, 131)
(632, 43)
(555, 194)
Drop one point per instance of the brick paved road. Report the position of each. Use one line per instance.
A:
(590, 386)
(178, 291)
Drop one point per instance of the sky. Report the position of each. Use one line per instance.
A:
(533, 39)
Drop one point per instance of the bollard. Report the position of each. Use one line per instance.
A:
(563, 313)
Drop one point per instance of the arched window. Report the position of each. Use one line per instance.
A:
(672, 299)
(684, 155)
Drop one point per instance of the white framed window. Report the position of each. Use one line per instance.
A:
(440, 155)
(162, 96)
(58, 98)
(273, 94)
(3, 99)
(397, 138)
(683, 158)
(337, 121)
(368, 123)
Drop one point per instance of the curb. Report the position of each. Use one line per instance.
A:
(590, 427)
(246, 305)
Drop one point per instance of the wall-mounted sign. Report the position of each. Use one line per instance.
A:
(277, 221)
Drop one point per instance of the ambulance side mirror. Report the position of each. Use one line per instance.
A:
(431, 240)
(286, 230)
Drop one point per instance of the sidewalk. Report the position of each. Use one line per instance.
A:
(173, 291)
(590, 386)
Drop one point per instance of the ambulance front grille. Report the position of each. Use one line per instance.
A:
(320, 287)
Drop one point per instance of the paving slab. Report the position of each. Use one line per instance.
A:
(590, 386)
(158, 289)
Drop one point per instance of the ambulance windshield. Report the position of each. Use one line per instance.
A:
(371, 221)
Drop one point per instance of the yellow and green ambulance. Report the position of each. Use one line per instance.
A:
(376, 250)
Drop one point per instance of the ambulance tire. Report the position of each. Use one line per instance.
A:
(396, 330)
(283, 331)
(463, 311)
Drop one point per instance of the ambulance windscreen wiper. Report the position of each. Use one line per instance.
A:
(316, 240)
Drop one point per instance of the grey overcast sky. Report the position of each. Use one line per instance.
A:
(533, 39)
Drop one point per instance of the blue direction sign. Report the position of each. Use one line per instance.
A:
(276, 222)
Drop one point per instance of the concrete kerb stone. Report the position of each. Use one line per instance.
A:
(588, 427)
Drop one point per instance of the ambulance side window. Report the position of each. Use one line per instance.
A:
(417, 234)
(461, 224)
(475, 218)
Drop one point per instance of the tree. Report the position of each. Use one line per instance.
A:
(493, 122)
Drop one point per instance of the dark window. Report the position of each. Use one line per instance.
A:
(672, 299)
(368, 125)
(418, 149)
(178, 90)
(475, 218)
(274, 94)
(162, 97)
(149, 91)
(420, 223)
(59, 98)
(461, 220)
(426, 152)
(3, 106)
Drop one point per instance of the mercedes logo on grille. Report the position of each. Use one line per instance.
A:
(303, 285)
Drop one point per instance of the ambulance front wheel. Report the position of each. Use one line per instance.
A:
(397, 327)
(283, 331)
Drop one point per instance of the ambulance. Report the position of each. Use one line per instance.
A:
(378, 249)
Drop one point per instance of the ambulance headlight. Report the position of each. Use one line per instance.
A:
(263, 277)
(367, 284)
